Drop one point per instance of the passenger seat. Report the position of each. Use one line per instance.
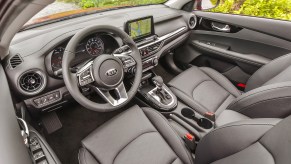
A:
(267, 95)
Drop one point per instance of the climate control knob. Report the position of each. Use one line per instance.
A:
(155, 62)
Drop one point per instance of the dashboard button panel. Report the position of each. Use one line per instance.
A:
(47, 99)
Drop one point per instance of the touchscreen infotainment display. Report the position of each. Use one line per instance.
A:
(140, 28)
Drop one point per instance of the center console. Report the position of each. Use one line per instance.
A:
(152, 91)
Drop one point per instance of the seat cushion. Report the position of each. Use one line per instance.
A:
(204, 89)
(135, 136)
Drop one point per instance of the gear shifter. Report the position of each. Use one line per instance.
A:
(160, 92)
(158, 81)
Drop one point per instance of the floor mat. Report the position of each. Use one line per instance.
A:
(77, 122)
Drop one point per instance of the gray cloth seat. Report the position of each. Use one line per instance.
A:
(206, 90)
(135, 136)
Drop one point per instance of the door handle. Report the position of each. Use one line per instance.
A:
(220, 27)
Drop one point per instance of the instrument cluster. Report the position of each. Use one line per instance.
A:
(91, 47)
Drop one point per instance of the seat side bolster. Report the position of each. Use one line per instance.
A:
(271, 101)
(268, 71)
(169, 134)
(86, 157)
(231, 138)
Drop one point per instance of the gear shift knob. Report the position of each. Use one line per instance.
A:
(158, 81)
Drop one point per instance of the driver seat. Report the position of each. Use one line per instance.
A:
(137, 136)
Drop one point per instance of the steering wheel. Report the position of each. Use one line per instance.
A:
(105, 73)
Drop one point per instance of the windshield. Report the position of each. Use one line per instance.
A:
(70, 8)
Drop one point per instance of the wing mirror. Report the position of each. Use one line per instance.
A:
(205, 4)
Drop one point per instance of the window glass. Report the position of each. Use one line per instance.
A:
(72, 8)
(275, 9)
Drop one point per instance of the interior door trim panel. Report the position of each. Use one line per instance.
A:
(12, 149)
(254, 23)
(246, 58)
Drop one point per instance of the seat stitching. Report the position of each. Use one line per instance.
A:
(222, 102)
(192, 99)
(220, 84)
(167, 122)
(229, 126)
(200, 83)
(174, 160)
(262, 101)
(181, 74)
(267, 150)
(252, 94)
(131, 142)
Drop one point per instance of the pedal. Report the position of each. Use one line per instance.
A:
(51, 122)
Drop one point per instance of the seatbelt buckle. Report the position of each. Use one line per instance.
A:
(190, 141)
(210, 116)
(241, 86)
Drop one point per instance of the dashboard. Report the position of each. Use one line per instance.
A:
(37, 53)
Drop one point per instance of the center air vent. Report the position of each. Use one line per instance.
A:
(192, 22)
(32, 82)
(15, 61)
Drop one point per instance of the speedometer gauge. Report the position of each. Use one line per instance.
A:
(95, 46)
(57, 58)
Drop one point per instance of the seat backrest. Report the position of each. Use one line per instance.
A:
(277, 142)
(265, 141)
(278, 70)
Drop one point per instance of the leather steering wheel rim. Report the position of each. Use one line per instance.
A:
(71, 80)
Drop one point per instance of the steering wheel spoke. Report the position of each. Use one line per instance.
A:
(124, 54)
(85, 74)
(119, 98)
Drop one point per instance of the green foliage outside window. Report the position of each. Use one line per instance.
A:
(112, 3)
(276, 9)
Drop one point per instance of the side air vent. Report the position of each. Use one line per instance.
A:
(15, 61)
(32, 82)
(192, 22)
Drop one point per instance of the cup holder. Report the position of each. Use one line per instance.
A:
(202, 122)
(188, 113)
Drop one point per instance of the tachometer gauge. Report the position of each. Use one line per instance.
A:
(57, 58)
(95, 46)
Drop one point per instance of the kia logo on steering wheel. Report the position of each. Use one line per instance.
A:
(111, 72)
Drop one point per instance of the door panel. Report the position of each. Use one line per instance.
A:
(12, 149)
(234, 45)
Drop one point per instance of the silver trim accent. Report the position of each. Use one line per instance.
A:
(44, 82)
(157, 98)
(163, 38)
(226, 28)
(88, 66)
(192, 26)
(120, 90)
